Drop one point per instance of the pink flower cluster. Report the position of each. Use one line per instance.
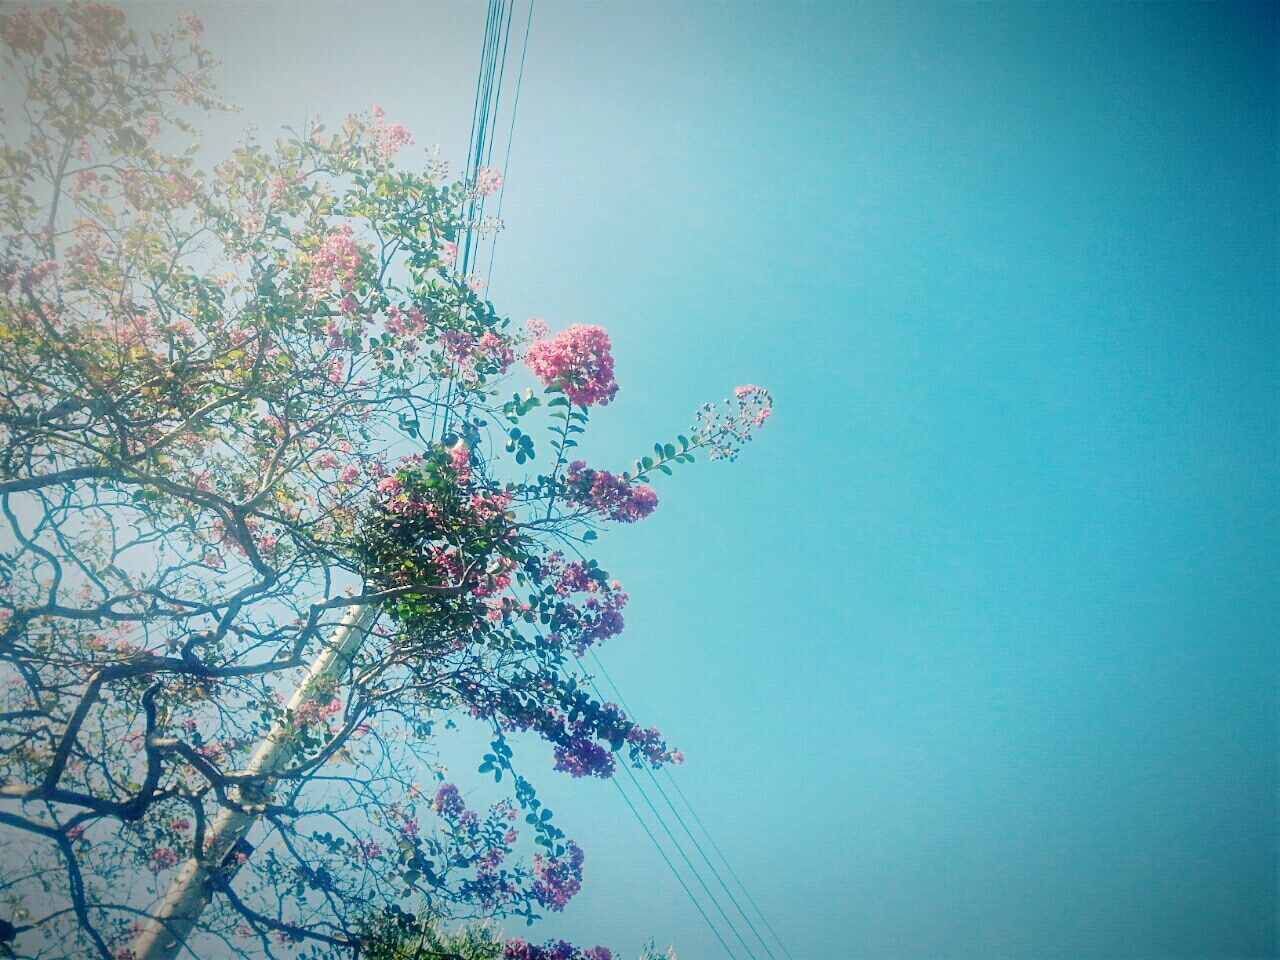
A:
(405, 323)
(313, 711)
(488, 181)
(389, 138)
(578, 361)
(163, 858)
(191, 23)
(448, 254)
(448, 802)
(336, 260)
(582, 622)
(608, 494)
(558, 879)
(552, 950)
(21, 32)
(365, 851)
(582, 757)
(726, 431)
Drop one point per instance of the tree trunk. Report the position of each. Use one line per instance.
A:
(193, 887)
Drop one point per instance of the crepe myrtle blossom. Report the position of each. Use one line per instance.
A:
(724, 431)
(558, 879)
(577, 360)
(608, 494)
(335, 259)
(488, 181)
(517, 949)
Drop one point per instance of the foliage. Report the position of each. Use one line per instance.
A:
(235, 404)
(399, 936)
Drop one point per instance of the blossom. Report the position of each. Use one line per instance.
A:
(162, 858)
(448, 253)
(584, 758)
(725, 431)
(364, 851)
(536, 327)
(336, 259)
(609, 494)
(448, 802)
(191, 23)
(460, 458)
(20, 31)
(578, 361)
(496, 351)
(558, 879)
(488, 181)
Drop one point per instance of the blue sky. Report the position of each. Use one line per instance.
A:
(973, 653)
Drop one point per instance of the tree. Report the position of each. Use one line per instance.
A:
(238, 406)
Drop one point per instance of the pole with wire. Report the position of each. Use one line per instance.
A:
(175, 918)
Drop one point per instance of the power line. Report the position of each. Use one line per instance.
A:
(667, 860)
(728, 866)
(697, 846)
(671, 836)
(711, 840)
(506, 163)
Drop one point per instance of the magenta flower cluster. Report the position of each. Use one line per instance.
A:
(582, 757)
(552, 950)
(448, 802)
(578, 361)
(587, 605)
(558, 879)
(608, 494)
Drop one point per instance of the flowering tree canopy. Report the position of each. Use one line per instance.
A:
(238, 405)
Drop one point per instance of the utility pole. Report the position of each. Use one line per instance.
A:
(174, 919)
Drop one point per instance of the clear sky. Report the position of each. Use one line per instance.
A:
(974, 652)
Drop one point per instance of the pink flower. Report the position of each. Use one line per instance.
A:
(162, 858)
(448, 253)
(608, 494)
(724, 432)
(349, 474)
(366, 850)
(460, 458)
(191, 23)
(536, 327)
(337, 259)
(20, 31)
(578, 361)
(496, 350)
(389, 138)
(488, 181)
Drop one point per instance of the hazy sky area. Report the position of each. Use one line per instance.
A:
(974, 652)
